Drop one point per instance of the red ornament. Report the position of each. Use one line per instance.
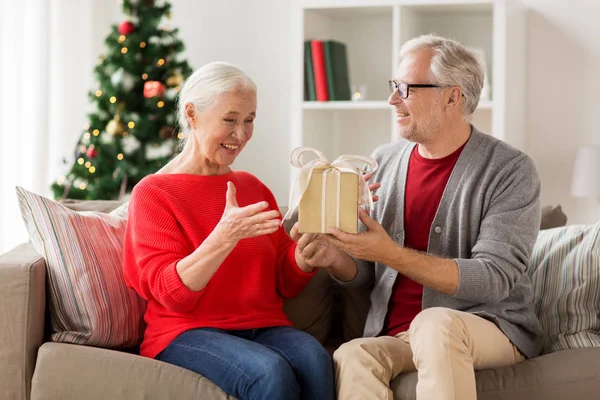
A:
(91, 152)
(126, 28)
(154, 89)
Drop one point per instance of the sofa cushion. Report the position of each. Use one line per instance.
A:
(570, 374)
(104, 206)
(565, 273)
(311, 310)
(552, 217)
(89, 301)
(73, 372)
(356, 305)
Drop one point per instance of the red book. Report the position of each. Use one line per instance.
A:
(318, 57)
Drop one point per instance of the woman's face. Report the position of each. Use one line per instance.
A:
(223, 130)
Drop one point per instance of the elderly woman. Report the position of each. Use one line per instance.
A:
(205, 247)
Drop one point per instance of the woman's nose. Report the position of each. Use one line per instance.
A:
(239, 133)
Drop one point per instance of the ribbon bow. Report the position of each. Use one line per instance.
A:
(345, 163)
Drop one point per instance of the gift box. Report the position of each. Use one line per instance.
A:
(328, 194)
(330, 200)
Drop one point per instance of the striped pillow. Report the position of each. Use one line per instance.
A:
(89, 302)
(565, 272)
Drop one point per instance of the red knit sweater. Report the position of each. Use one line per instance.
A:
(169, 217)
(425, 183)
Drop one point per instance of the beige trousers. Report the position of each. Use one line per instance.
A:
(445, 346)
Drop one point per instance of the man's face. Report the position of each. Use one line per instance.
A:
(421, 115)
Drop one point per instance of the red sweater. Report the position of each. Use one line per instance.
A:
(425, 184)
(169, 217)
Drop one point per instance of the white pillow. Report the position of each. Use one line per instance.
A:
(565, 272)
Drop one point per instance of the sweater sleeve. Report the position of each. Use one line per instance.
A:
(365, 275)
(506, 237)
(154, 244)
(291, 280)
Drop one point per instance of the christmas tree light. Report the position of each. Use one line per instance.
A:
(132, 131)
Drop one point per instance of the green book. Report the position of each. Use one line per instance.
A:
(310, 92)
(336, 68)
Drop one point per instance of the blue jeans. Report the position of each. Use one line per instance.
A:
(268, 363)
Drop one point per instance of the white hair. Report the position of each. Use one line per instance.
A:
(451, 64)
(206, 85)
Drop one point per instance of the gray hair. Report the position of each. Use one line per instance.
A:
(206, 85)
(451, 64)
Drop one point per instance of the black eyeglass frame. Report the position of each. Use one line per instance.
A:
(396, 86)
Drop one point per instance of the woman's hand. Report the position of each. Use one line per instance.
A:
(239, 223)
(314, 249)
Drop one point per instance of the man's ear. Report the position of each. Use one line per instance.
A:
(190, 113)
(453, 99)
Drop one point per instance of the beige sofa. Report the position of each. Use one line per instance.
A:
(31, 367)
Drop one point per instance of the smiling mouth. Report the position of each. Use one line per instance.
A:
(403, 114)
(230, 146)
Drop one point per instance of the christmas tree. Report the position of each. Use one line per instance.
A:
(132, 131)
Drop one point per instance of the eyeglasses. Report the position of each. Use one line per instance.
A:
(404, 88)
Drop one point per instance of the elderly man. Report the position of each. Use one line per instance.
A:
(447, 245)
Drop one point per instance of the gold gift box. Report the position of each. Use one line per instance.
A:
(334, 204)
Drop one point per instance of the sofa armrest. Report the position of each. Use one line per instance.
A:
(22, 310)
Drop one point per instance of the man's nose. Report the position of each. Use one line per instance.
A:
(394, 98)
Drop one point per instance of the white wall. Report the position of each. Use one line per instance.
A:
(254, 35)
(563, 81)
(44, 75)
(563, 88)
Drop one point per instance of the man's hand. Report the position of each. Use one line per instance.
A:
(372, 186)
(372, 245)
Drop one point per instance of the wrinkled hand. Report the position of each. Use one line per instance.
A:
(372, 245)
(372, 186)
(239, 223)
(314, 248)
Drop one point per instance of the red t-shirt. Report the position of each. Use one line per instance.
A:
(169, 217)
(425, 184)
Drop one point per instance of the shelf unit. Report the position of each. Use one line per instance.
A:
(346, 105)
(367, 105)
(374, 32)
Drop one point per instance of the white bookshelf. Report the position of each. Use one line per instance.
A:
(346, 105)
(374, 31)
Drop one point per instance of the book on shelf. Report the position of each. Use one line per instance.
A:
(336, 66)
(310, 93)
(326, 75)
(318, 58)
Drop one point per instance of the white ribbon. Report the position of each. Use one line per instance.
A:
(341, 164)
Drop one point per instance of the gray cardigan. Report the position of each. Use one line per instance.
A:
(487, 221)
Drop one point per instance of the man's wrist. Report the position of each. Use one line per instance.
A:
(344, 267)
(393, 255)
(301, 262)
(339, 261)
